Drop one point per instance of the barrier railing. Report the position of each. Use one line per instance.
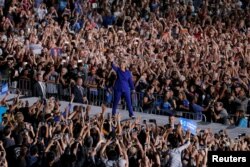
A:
(98, 96)
(191, 115)
(24, 86)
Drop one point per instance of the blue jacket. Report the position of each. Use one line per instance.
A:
(124, 81)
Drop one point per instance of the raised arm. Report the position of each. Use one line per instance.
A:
(187, 143)
(184, 146)
(114, 67)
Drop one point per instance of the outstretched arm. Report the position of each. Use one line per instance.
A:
(3, 101)
(184, 146)
(114, 67)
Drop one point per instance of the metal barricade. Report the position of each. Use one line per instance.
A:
(101, 96)
(24, 86)
(52, 90)
(191, 115)
(93, 96)
(105, 96)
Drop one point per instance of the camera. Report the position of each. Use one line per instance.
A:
(212, 102)
(221, 132)
(152, 121)
(57, 136)
(241, 135)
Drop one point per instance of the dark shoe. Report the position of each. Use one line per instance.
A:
(132, 117)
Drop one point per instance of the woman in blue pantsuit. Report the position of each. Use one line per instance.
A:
(123, 87)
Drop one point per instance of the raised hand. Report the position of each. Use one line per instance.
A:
(179, 129)
(72, 98)
(88, 108)
(104, 108)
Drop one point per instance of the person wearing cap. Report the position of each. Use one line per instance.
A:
(123, 87)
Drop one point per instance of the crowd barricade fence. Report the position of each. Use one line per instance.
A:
(99, 96)
(25, 87)
(191, 115)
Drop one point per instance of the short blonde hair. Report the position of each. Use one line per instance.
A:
(19, 117)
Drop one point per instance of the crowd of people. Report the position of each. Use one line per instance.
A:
(42, 134)
(194, 55)
(184, 55)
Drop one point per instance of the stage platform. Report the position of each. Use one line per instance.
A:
(161, 120)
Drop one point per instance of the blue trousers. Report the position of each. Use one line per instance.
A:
(117, 97)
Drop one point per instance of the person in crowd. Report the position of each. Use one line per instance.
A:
(220, 113)
(7, 140)
(82, 139)
(199, 110)
(193, 54)
(92, 82)
(167, 44)
(3, 161)
(79, 92)
(14, 152)
(51, 78)
(176, 152)
(182, 102)
(39, 89)
(148, 100)
(123, 87)
(242, 100)
(241, 120)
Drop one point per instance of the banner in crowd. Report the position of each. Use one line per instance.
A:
(5, 88)
(3, 109)
(188, 124)
(36, 49)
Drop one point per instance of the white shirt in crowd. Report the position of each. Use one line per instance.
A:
(175, 155)
(43, 86)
